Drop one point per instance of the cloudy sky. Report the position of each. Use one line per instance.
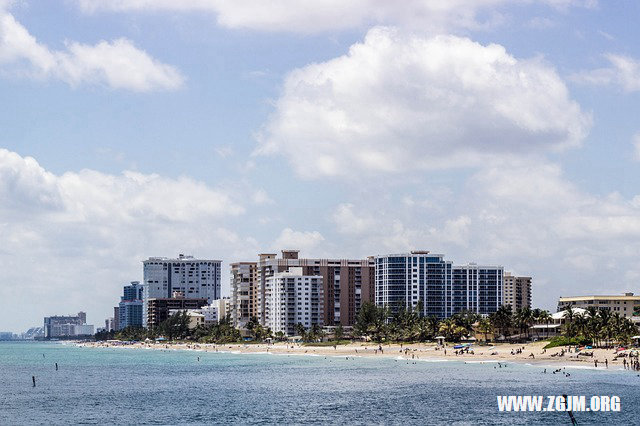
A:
(494, 131)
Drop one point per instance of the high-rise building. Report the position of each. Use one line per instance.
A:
(131, 306)
(195, 278)
(627, 304)
(442, 289)
(292, 298)
(347, 284)
(243, 292)
(516, 291)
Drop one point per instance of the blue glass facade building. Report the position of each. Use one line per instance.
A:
(404, 280)
(131, 306)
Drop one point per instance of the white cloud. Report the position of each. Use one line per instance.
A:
(305, 241)
(327, 15)
(399, 103)
(117, 64)
(527, 216)
(624, 71)
(349, 222)
(64, 237)
(261, 197)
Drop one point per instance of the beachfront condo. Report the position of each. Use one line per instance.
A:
(194, 278)
(441, 288)
(292, 298)
(130, 308)
(516, 291)
(244, 277)
(627, 304)
(347, 283)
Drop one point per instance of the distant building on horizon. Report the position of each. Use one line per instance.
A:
(626, 304)
(7, 335)
(33, 333)
(292, 298)
(130, 309)
(108, 324)
(194, 278)
(516, 291)
(420, 277)
(116, 318)
(67, 326)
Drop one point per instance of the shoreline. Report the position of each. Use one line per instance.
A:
(413, 352)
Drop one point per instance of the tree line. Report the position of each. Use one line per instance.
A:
(382, 324)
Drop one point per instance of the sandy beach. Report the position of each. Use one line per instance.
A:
(532, 353)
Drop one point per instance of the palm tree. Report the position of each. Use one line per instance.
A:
(451, 330)
(485, 326)
(545, 316)
(301, 331)
(502, 319)
(433, 325)
(593, 324)
(569, 325)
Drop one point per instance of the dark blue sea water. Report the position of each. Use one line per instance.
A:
(128, 386)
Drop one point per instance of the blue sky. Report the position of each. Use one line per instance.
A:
(493, 131)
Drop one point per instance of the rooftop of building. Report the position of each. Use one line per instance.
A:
(413, 253)
(510, 274)
(561, 314)
(243, 263)
(294, 255)
(625, 296)
(181, 258)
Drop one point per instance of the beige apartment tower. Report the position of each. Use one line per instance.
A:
(516, 291)
(244, 276)
(347, 284)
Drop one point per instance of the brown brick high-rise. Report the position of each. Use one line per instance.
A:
(347, 283)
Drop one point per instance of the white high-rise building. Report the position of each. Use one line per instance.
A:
(193, 278)
(292, 298)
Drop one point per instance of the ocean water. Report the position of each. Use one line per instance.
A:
(128, 386)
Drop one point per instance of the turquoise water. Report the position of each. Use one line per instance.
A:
(125, 386)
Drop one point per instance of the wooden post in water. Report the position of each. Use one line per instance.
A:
(34, 380)
(573, 419)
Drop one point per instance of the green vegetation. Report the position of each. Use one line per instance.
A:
(600, 327)
(382, 324)
(566, 341)
(408, 325)
(176, 328)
